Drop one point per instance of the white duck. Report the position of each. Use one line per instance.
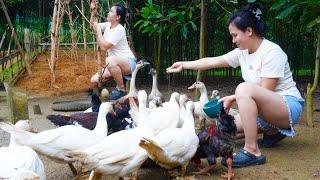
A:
(198, 106)
(20, 162)
(119, 154)
(165, 116)
(214, 94)
(155, 96)
(174, 147)
(198, 112)
(133, 92)
(232, 111)
(54, 143)
(182, 103)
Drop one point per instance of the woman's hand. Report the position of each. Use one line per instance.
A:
(228, 101)
(96, 27)
(176, 67)
(93, 5)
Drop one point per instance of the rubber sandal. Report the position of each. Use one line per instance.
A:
(269, 141)
(116, 94)
(244, 158)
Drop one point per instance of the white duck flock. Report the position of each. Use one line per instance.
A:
(20, 162)
(118, 154)
(54, 143)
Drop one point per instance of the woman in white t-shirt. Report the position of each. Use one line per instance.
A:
(268, 98)
(120, 61)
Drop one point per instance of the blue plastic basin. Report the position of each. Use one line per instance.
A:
(212, 108)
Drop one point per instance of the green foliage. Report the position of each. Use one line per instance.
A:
(307, 11)
(13, 2)
(155, 21)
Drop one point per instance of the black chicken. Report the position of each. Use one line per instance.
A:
(95, 101)
(116, 122)
(218, 140)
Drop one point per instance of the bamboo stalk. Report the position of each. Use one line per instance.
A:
(74, 48)
(9, 46)
(2, 39)
(82, 12)
(53, 55)
(98, 53)
(16, 38)
(84, 36)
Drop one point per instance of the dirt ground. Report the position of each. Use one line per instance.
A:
(294, 158)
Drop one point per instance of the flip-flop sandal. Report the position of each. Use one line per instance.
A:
(244, 158)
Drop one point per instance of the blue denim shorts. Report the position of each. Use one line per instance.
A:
(295, 109)
(133, 64)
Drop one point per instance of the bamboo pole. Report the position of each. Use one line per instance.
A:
(9, 46)
(16, 38)
(84, 37)
(54, 35)
(74, 48)
(60, 14)
(98, 53)
(2, 39)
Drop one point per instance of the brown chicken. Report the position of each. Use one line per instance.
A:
(218, 140)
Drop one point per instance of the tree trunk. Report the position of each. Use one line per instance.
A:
(26, 61)
(203, 35)
(310, 90)
(84, 38)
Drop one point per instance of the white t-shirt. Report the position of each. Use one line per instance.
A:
(117, 37)
(269, 61)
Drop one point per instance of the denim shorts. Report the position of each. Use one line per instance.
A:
(133, 64)
(295, 109)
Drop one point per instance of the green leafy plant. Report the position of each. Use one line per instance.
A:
(308, 13)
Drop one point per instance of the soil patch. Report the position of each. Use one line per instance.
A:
(71, 75)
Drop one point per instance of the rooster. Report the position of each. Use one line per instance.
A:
(218, 140)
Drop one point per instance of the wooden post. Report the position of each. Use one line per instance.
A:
(27, 40)
(16, 38)
(94, 18)
(53, 43)
(84, 38)
(74, 48)
(2, 39)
